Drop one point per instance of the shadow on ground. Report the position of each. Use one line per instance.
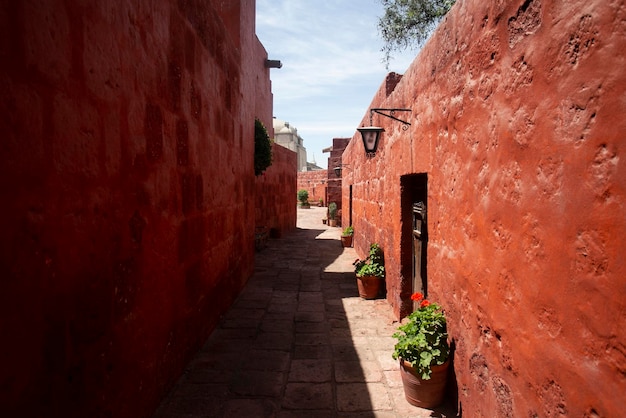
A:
(298, 342)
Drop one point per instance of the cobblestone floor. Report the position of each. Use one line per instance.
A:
(298, 342)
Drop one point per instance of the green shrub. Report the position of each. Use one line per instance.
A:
(373, 265)
(303, 196)
(262, 148)
(332, 210)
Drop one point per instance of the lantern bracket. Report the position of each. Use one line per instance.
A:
(371, 134)
(390, 114)
(339, 169)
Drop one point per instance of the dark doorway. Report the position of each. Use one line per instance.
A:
(414, 239)
(350, 205)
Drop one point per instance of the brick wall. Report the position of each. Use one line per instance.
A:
(516, 140)
(315, 183)
(128, 194)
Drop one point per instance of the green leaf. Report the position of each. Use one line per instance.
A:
(262, 148)
(409, 23)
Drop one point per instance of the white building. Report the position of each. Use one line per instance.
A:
(287, 136)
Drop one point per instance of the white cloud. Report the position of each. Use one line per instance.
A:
(332, 64)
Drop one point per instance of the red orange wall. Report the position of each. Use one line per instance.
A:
(517, 122)
(313, 182)
(334, 184)
(128, 194)
(275, 191)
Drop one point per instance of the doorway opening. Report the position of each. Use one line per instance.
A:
(350, 224)
(414, 239)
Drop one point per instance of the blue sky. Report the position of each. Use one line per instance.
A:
(332, 65)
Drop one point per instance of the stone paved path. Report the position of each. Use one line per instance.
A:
(298, 342)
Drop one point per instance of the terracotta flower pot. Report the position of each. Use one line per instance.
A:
(369, 286)
(424, 393)
(346, 240)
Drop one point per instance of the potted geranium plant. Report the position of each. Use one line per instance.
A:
(423, 352)
(346, 236)
(370, 272)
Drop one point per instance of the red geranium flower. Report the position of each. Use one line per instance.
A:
(417, 296)
(424, 303)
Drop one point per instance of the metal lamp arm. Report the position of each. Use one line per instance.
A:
(391, 113)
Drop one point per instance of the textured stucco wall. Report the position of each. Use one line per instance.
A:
(518, 124)
(128, 194)
(315, 183)
(275, 191)
(334, 183)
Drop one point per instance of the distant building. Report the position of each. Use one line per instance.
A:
(287, 136)
(312, 165)
(334, 182)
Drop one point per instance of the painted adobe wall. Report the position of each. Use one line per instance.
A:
(517, 121)
(276, 193)
(275, 188)
(334, 183)
(315, 183)
(128, 191)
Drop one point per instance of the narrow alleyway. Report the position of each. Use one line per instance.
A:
(298, 342)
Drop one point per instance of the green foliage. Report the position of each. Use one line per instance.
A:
(347, 231)
(332, 210)
(408, 23)
(303, 196)
(373, 265)
(262, 148)
(423, 340)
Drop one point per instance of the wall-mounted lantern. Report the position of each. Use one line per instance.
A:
(338, 169)
(371, 134)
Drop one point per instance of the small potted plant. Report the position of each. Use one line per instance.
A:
(320, 203)
(303, 197)
(346, 236)
(370, 272)
(423, 352)
(332, 214)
